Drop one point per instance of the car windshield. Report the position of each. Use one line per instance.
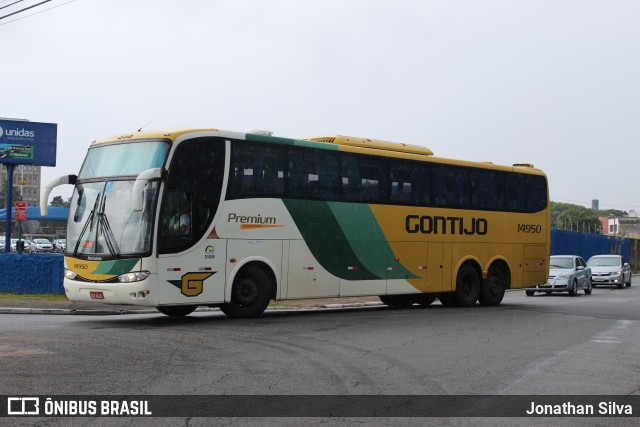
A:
(604, 262)
(561, 262)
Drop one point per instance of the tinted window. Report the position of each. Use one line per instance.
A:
(192, 193)
(270, 170)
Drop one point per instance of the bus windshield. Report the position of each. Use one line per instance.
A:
(103, 223)
(123, 159)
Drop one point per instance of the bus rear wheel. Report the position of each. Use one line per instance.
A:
(177, 310)
(250, 294)
(494, 287)
(468, 286)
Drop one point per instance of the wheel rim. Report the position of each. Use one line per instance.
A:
(467, 283)
(247, 292)
(494, 287)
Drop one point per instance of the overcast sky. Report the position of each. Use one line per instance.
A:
(549, 82)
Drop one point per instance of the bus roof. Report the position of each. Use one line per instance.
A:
(152, 134)
(373, 144)
(346, 143)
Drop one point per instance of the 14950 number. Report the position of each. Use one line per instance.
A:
(529, 228)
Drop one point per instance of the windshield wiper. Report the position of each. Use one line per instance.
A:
(109, 238)
(84, 229)
(107, 233)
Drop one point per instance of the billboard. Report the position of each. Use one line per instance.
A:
(28, 143)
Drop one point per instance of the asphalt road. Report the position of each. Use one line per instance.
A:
(541, 345)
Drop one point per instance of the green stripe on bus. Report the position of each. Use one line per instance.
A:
(116, 267)
(344, 235)
(362, 230)
(326, 240)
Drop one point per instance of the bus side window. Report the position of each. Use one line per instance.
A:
(351, 179)
(516, 193)
(328, 179)
(193, 189)
(402, 175)
(536, 193)
(370, 175)
(296, 179)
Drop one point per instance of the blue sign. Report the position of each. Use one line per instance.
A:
(28, 143)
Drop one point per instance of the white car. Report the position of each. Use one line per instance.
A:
(41, 245)
(59, 245)
(609, 270)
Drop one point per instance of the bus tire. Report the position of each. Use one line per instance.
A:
(176, 310)
(468, 285)
(494, 287)
(250, 294)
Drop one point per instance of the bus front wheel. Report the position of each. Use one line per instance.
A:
(250, 294)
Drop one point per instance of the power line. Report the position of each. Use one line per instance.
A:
(9, 5)
(36, 13)
(26, 8)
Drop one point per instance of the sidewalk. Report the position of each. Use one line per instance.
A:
(69, 307)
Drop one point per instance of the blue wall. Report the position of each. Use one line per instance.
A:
(565, 242)
(31, 273)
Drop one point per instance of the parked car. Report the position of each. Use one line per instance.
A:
(567, 273)
(2, 242)
(14, 245)
(41, 245)
(610, 270)
(59, 245)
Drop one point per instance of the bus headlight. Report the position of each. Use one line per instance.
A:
(68, 274)
(135, 276)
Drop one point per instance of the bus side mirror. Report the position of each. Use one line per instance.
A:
(137, 194)
(44, 197)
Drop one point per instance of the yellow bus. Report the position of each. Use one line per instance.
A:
(203, 217)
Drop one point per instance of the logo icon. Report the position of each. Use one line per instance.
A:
(23, 406)
(191, 284)
(1, 131)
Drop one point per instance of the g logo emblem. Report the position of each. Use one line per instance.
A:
(191, 284)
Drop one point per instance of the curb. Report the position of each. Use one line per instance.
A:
(107, 312)
(84, 312)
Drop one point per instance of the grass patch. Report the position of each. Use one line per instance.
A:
(29, 297)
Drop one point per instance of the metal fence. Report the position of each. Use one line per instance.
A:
(566, 242)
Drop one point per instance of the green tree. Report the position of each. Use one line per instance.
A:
(58, 201)
(575, 217)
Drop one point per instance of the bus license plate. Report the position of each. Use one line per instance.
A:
(96, 295)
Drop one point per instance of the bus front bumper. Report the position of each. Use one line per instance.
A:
(135, 293)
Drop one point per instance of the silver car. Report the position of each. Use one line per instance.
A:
(41, 245)
(610, 270)
(567, 273)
